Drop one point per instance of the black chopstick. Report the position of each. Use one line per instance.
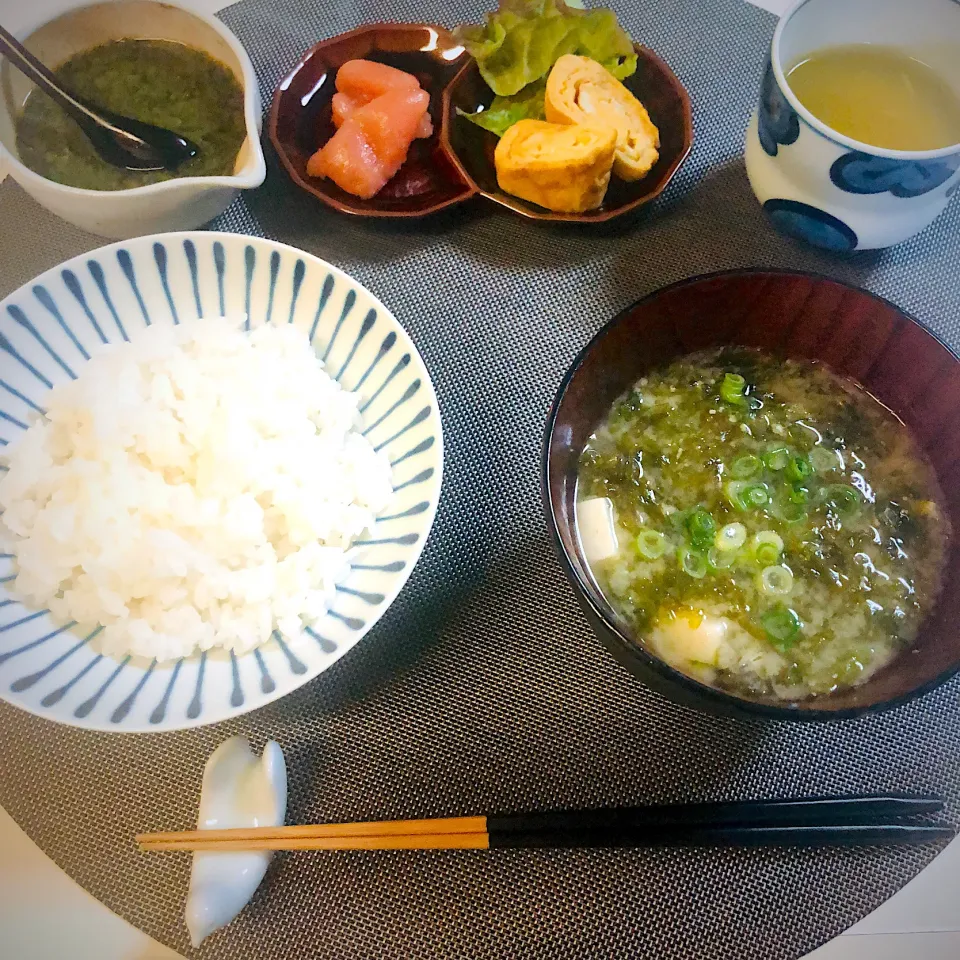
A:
(703, 835)
(816, 811)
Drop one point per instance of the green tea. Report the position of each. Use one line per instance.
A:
(878, 95)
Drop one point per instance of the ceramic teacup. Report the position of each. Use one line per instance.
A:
(820, 186)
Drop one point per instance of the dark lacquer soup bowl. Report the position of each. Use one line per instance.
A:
(857, 335)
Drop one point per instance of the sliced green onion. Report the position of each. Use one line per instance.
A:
(798, 494)
(732, 388)
(823, 459)
(730, 537)
(745, 495)
(766, 546)
(788, 512)
(733, 489)
(782, 625)
(798, 468)
(776, 580)
(721, 559)
(651, 544)
(777, 458)
(756, 495)
(844, 498)
(692, 563)
(743, 468)
(700, 528)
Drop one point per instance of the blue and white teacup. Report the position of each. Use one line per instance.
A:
(820, 186)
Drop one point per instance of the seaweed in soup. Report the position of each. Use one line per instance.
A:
(777, 531)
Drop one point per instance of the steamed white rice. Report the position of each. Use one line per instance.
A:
(196, 488)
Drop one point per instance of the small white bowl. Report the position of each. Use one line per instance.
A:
(179, 204)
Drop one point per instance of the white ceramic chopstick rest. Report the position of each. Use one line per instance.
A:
(239, 789)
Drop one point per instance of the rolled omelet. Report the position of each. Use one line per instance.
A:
(580, 90)
(563, 167)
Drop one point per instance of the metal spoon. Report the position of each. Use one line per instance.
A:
(121, 141)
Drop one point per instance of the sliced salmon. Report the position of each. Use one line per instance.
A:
(360, 81)
(364, 80)
(372, 143)
(343, 107)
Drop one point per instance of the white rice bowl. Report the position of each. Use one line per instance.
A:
(198, 487)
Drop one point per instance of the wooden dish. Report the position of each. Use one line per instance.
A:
(300, 118)
(654, 84)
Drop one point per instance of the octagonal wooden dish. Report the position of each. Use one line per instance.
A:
(654, 84)
(457, 162)
(300, 118)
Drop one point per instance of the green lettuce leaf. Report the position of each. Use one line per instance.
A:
(519, 44)
(594, 41)
(504, 112)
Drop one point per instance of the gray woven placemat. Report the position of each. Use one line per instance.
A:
(483, 689)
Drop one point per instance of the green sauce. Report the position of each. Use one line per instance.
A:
(156, 81)
(785, 505)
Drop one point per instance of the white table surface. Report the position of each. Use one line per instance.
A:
(44, 915)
